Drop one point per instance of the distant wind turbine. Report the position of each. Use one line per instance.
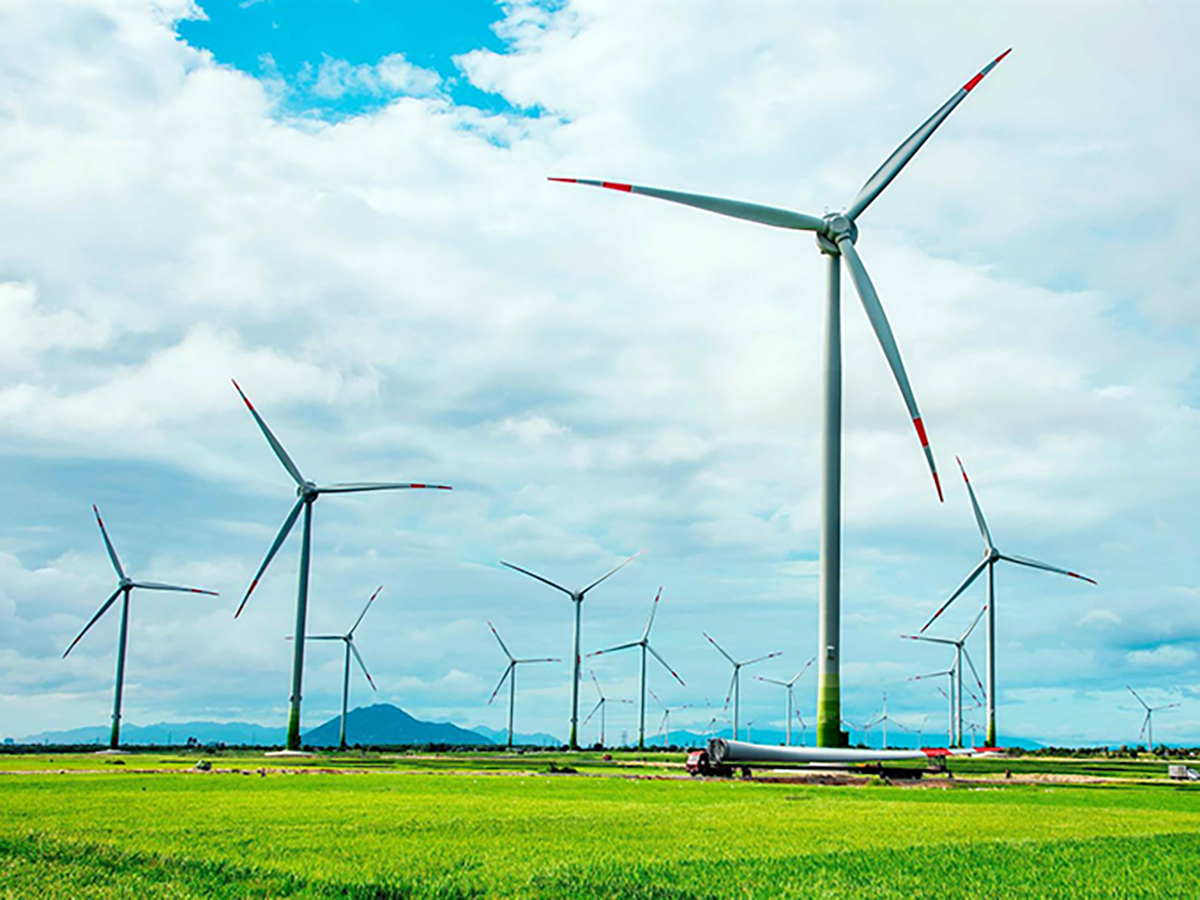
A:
(125, 586)
(836, 234)
(601, 707)
(577, 599)
(788, 686)
(644, 643)
(991, 556)
(665, 725)
(1148, 723)
(510, 674)
(960, 654)
(307, 493)
(735, 683)
(949, 673)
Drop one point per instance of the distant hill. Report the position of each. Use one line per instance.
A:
(537, 739)
(384, 724)
(164, 733)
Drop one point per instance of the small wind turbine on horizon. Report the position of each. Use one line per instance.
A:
(125, 586)
(960, 654)
(735, 683)
(991, 556)
(949, 673)
(348, 640)
(664, 726)
(577, 599)
(510, 674)
(788, 686)
(836, 234)
(1148, 722)
(307, 493)
(601, 706)
(644, 643)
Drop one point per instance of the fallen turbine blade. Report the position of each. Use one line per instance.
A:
(362, 665)
(737, 209)
(279, 539)
(666, 664)
(901, 155)
(967, 582)
(610, 574)
(883, 331)
(1046, 567)
(538, 577)
(358, 621)
(101, 611)
(159, 586)
(112, 552)
(358, 487)
(271, 439)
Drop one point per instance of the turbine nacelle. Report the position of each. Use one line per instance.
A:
(836, 227)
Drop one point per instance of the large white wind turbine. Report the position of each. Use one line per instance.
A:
(348, 640)
(510, 674)
(991, 556)
(307, 493)
(960, 654)
(836, 234)
(735, 682)
(788, 685)
(644, 643)
(1148, 722)
(577, 599)
(125, 586)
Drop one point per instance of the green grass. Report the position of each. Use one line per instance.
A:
(422, 829)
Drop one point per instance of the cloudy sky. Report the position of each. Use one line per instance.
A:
(343, 205)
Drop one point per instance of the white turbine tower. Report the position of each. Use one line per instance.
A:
(735, 683)
(577, 599)
(125, 586)
(788, 686)
(644, 644)
(991, 556)
(836, 235)
(510, 674)
(307, 493)
(960, 654)
(1148, 722)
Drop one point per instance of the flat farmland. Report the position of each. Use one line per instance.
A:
(492, 825)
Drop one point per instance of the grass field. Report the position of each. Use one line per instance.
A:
(489, 825)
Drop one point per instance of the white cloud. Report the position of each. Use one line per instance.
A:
(1166, 656)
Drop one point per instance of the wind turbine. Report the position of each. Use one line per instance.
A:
(665, 725)
(307, 493)
(803, 729)
(991, 556)
(788, 685)
(949, 673)
(601, 706)
(1148, 722)
(577, 599)
(510, 673)
(836, 235)
(125, 586)
(960, 654)
(348, 640)
(735, 682)
(644, 643)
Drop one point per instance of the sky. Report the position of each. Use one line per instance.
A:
(343, 205)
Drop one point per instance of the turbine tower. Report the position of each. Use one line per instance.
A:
(1148, 723)
(960, 654)
(577, 599)
(348, 639)
(735, 683)
(991, 556)
(307, 493)
(510, 674)
(644, 643)
(949, 673)
(836, 234)
(788, 685)
(665, 725)
(125, 586)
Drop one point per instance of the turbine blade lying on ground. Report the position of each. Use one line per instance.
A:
(883, 331)
(271, 439)
(901, 155)
(538, 577)
(279, 539)
(737, 209)
(112, 553)
(357, 487)
(358, 621)
(967, 582)
(666, 665)
(158, 586)
(608, 575)
(1034, 564)
(101, 611)
(362, 665)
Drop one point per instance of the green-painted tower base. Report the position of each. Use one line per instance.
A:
(829, 712)
(293, 731)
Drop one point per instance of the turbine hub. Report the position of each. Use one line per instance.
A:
(308, 489)
(837, 226)
(126, 582)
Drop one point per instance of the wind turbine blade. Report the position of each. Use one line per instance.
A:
(979, 520)
(883, 332)
(756, 659)
(358, 487)
(271, 439)
(362, 665)
(901, 155)
(1145, 725)
(666, 664)
(320, 637)
(966, 634)
(112, 553)
(653, 611)
(931, 640)
(613, 649)
(1168, 706)
(656, 700)
(503, 646)
(597, 684)
(279, 539)
(719, 647)
(1139, 699)
(599, 703)
(539, 660)
(101, 611)
(967, 582)
(737, 209)
(1034, 564)
(503, 678)
(931, 675)
(974, 671)
(159, 586)
(538, 577)
(612, 573)
(771, 680)
(729, 693)
(358, 621)
(807, 666)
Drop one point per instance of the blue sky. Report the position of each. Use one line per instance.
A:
(362, 235)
